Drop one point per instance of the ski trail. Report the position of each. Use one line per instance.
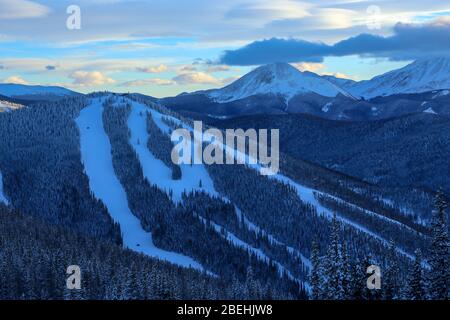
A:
(156, 171)
(3, 198)
(235, 241)
(97, 159)
(305, 194)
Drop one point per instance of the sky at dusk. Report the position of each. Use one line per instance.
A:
(165, 47)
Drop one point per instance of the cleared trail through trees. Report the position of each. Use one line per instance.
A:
(155, 170)
(97, 159)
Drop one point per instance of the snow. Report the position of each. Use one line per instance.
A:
(326, 107)
(234, 240)
(156, 171)
(253, 227)
(420, 76)
(9, 106)
(278, 79)
(441, 94)
(308, 195)
(97, 160)
(305, 194)
(11, 90)
(3, 198)
(430, 110)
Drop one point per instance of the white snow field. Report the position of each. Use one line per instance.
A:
(155, 171)
(97, 160)
(3, 198)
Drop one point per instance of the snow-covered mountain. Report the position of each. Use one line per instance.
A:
(276, 79)
(34, 92)
(420, 76)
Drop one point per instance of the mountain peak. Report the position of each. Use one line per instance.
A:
(422, 75)
(276, 79)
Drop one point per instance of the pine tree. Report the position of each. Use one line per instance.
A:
(315, 279)
(347, 272)
(391, 274)
(439, 260)
(333, 265)
(416, 290)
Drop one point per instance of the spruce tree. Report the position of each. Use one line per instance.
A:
(391, 274)
(439, 260)
(416, 290)
(315, 279)
(333, 265)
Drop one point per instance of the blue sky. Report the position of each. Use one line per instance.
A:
(165, 47)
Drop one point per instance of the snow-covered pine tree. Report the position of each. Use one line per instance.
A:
(333, 265)
(347, 272)
(439, 260)
(391, 274)
(416, 289)
(315, 277)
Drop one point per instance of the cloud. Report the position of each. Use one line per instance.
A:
(89, 79)
(148, 82)
(21, 9)
(153, 69)
(218, 68)
(15, 79)
(312, 67)
(409, 41)
(195, 78)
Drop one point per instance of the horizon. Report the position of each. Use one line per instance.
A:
(164, 49)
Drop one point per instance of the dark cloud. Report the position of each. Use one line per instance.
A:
(409, 41)
(50, 68)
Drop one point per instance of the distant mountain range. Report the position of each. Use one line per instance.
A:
(35, 93)
(418, 77)
(422, 86)
(279, 88)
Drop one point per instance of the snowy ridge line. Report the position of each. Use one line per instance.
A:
(153, 168)
(96, 157)
(304, 193)
(3, 197)
(234, 240)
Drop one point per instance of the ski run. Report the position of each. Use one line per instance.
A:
(96, 157)
(97, 160)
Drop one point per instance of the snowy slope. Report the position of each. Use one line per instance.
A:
(159, 174)
(6, 106)
(97, 160)
(155, 171)
(420, 76)
(18, 90)
(278, 79)
(3, 198)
